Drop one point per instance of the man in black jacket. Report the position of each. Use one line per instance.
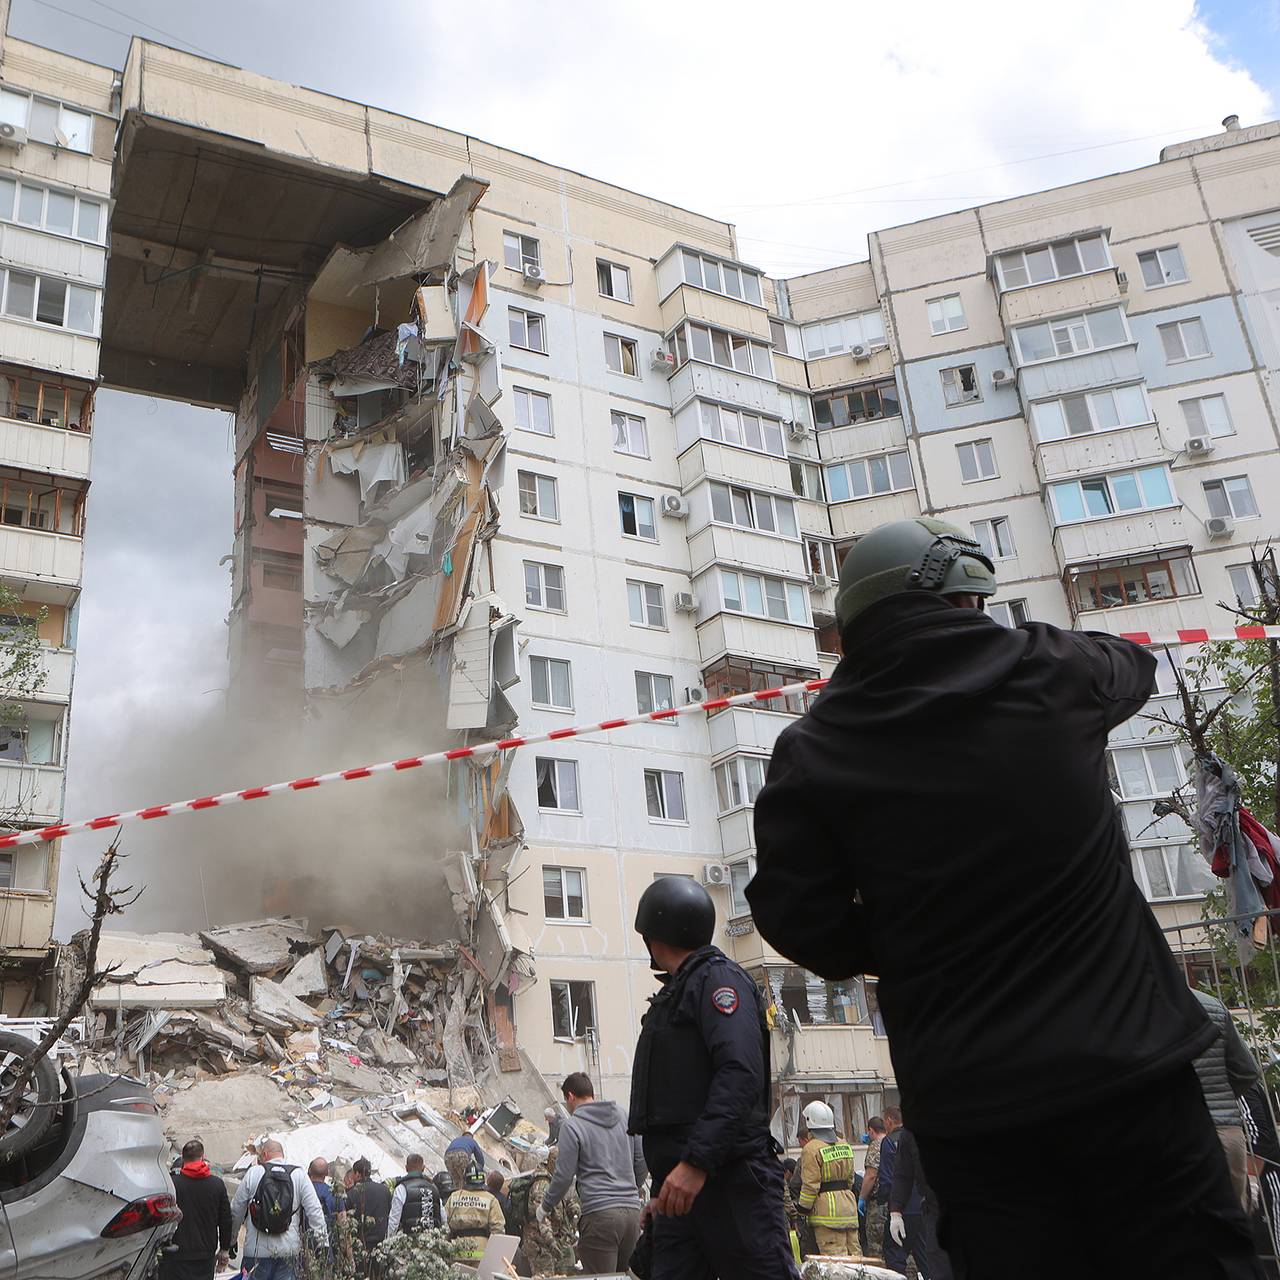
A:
(942, 819)
(202, 1242)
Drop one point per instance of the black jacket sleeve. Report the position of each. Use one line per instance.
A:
(225, 1238)
(904, 1172)
(1124, 673)
(802, 895)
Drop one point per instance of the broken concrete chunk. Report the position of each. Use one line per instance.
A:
(353, 1077)
(272, 1000)
(261, 946)
(307, 977)
(385, 1050)
(301, 1043)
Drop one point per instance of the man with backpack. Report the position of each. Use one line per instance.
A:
(415, 1204)
(546, 1241)
(271, 1204)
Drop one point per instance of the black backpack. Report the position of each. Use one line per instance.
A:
(271, 1210)
(518, 1192)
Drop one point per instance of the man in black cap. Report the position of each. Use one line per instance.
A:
(700, 1098)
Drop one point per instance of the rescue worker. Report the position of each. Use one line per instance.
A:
(700, 1097)
(941, 817)
(473, 1214)
(547, 1240)
(415, 1203)
(826, 1176)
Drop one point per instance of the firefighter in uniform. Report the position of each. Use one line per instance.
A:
(473, 1215)
(700, 1098)
(826, 1172)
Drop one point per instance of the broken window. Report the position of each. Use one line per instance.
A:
(564, 893)
(645, 605)
(811, 1000)
(996, 537)
(544, 586)
(629, 434)
(822, 558)
(637, 516)
(520, 251)
(977, 460)
(865, 403)
(664, 795)
(282, 501)
(573, 1010)
(539, 497)
(1132, 580)
(620, 355)
(557, 784)
(51, 404)
(613, 281)
(552, 683)
(527, 330)
(806, 480)
(654, 692)
(960, 385)
(533, 411)
(1008, 613)
(280, 570)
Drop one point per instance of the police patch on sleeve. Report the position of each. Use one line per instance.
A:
(725, 1000)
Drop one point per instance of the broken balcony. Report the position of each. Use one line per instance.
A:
(44, 423)
(41, 524)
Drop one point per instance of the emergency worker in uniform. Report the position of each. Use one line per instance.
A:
(826, 1174)
(942, 817)
(700, 1099)
(473, 1214)
(548, 1244)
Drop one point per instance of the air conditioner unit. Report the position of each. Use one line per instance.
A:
(714, 873)
(662, 361)
(1220, 526)
(12, 135)
(797, 430)
(1001, 377)
(675, 506)
(1198, 446)
(532, 274)
(860, 351)
(684, 602)
(1122, 282)
(695, 693)
(821, 582)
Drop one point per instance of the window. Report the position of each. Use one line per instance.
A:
(1231, 497)
(762, 597)
(538, 496)
(47, 121)
(630, 435)
(527, 329)
(720, 277)
(832, 337)
(1054, 261)
(520, 251)
(867, 403)
(573, 1010)
(533, 411)
(1008, 613)
(946, 315)
(654, 692)
(1248, 580)
(1091, 411)
(564, 893)
(613, 281)
(1171, 871)
(740, 428)
(1121, 491)
(1070, 335)
(636, 514)
(977, 460)
(544, 586)
(811, 1000)
(719, 346)
(280, 570)
(749, 675)
(1146, 772)
(751, 510)
(778, 336)
(995, 536)
(740, 874)
(1207, 416)
(557, 784)
(664, 795)
(620, 355)
(552, 683)
(51, 301)
(866, 477)
(806, 480)
(821, 557)
(960, 386)
(1132, 580)
(739, 780)
(645, 605)
(1184, 340)
(1162, 266)
(62, 212)
(7, 861)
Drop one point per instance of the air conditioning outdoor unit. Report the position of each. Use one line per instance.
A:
(860, 351)
(695, 693)
(1198, 446)
(12, 135)
(1220, 526)
(714, 873)
(662, 361)
(821, 582)
(684, 602)
(532, 274)
(675, 506)
(1001, 377)
(1122, 282)
(797, 430)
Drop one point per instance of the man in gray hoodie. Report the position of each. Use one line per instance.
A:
(595, 1148)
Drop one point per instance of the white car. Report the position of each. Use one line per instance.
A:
(85, 1191)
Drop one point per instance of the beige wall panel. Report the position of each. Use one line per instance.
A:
(1241, 180)
(925, 252)
(840, 291)
(911, 319)
(28, 66)
(1204, 269)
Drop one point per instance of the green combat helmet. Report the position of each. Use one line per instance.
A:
(911, 555)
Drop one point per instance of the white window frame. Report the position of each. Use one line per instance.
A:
(739, 779)
(648, 607)
(1193, 408)
(1246, 574)
(617, 343)
(526, 400)
(1145, 752)
(867, 470)
(971, 451)
(563, 988)
(698, 277)
(541, 486)
(647, 691)
(943, 319)
(526, 330)
(1072, 327)
(670, 795)
(543, 590)
(1014, 260)
(736, 427)
(1168, 274)
(566, 916)
(637, 499)
(616, 272)
(1180, 328)
(68, 287)
(954, 395)
(77, 201)
(547, 662)
(839, 334)
(757, 361)
(1110, 478)
(809, 476)
(1046, 431)
(524, 248)
(1166, 849)
(995, 536)
(825, 554)
(9, 108)
(756, 504)
(633, 430)
(1008, 613)
(738, 904)
(1220, 483)
(794, 596)
(560, 768)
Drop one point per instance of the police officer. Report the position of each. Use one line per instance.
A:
(473, 1214)
(826, 1172)
(416, 1202)
(700, 1098)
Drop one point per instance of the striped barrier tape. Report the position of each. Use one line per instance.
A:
(1198, 636)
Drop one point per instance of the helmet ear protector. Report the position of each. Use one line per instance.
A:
(936, 563)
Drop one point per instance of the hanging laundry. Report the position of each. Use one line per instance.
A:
(1267, 873)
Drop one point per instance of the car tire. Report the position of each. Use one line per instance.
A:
(34, 1114)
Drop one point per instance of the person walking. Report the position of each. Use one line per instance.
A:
(202, 1244)
(273, 1203)
(369, 1208)
(554, 1120)
(942, 817)
(596, 1150)
(415, 1203)
(873, 1199)
(473, 1215)
(701, 1100)
(826, 1178)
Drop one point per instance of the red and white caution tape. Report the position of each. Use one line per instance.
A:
(1196, 636)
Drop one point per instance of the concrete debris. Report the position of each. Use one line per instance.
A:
(265, 946)
(158, 971)
(271, 1002)
(820, 1268)
(307, 977)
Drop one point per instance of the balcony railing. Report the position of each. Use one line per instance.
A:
(32, 792)
(39, 556)
(852, 519)
(1101, 451)
(26, 920)
(861, 438)
(36, 447)
(1119, 535)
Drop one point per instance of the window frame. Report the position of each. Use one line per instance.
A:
(947, 327)
(866, 462)
(68, 287)
(565, 895)
(755, 501)
(61, 105)
(538, 478)
(1177, 326)
(1085, 583)
(614, 268)
(1071, 322)
(1014, 607)
(973, 450)
(1164, 848)
(1156, 256)
(1041, 428)
(685, 349)
(763, 581)
(743, 272)
(623, 343)
(876, 386)
(525, 317)
(1000, 529)
(530, 396)
(1109, 478)
(636, 500)
(806, 469)
(1221, 483)
(1207, 428)
(768, 427)
(542, 566)
(663, 777)
(1047, 247)
(650, 677)
(629, 421)
(525, 257)
(588, 988)
(739, 907)
(647, 606)
(77, 199)
(955, 386)
(557, 762)
(550, 660)
(735, 784)
(845, 338)
(1144, 750)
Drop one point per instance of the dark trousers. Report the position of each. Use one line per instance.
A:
(736, 1229)
(172, 1268)
(895, 1255)
(1159, 1196)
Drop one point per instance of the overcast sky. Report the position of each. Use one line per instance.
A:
(807, 125)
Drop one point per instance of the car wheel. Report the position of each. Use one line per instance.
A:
(34, 1113)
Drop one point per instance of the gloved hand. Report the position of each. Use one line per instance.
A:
(897, 1228)
(541, 1214)
(862, 1208)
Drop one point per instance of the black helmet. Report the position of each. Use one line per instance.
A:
(677, 911)
(443, 1183)
(474, 1176)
